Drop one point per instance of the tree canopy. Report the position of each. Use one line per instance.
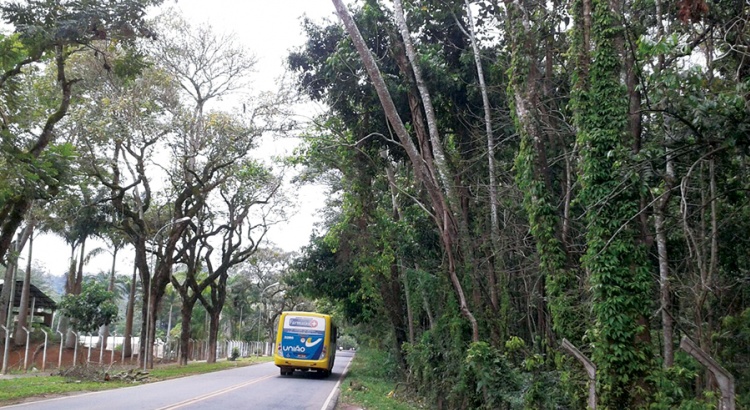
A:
(509, 175)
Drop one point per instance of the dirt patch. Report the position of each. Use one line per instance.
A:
(345, 406)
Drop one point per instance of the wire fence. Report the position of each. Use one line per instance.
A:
(46, 351)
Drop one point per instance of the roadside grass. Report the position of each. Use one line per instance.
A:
(16, 389)
(372, 382)
(172, 371)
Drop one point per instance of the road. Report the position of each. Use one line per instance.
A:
(252, 387)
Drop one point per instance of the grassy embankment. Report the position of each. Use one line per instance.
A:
(13, 390)
(373, 383)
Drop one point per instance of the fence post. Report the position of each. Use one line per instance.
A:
(724, 379)
(123, 349)
(101, 348)
(26, 353)
(590, 370)
(75, 349)
(114, 344)
(44, 355)
(59, 359)
(5, 347)
(88, 358)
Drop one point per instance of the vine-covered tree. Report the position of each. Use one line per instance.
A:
(616, 195)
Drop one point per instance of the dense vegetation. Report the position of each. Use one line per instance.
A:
(504, 177)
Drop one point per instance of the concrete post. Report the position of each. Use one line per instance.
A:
(724, 379)
(590, 370)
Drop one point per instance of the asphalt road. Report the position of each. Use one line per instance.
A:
(253, 387)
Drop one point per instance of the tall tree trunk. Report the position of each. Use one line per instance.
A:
(23, 310)
(455, 219)
(218, 298)
(70, 286)
(186, 312)
(104, 331)
(10, 286)
(213, 335)
(494, 219)
(70, 337)
(79, 273)
(127, 344)
(444, 218)
(665, 297)
(660, 220)
(397, 264)
(665, 293)
(534, 179)
(6, 298)
(142, 265)
(154, 300)
(9, 278)
(616, 256)
(10, 272)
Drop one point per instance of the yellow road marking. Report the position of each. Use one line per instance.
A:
(214, 394)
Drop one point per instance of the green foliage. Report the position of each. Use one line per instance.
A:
(130, 65)
(734, 336)
(495, 379)
(46, 22)
(322, 274)
(93, 308)
(347, 342)
(617, 263)
(437, 363)
(34, 177)
(694, 118)
(674, 387)
(372, 383)
(565, 307)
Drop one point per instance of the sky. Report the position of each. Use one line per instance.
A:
(269, 29)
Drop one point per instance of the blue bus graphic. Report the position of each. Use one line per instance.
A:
(302, 344)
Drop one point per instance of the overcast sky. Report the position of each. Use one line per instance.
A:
(269, 29)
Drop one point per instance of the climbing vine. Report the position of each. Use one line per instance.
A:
(616, 261)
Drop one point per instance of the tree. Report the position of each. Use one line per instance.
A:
(49, 28)
(23, 313)
(433, 172)
(615, 257)
(212, 178)
(122, 138)
(92, 308)
(117, 240)
(623, 158)
(252, 186)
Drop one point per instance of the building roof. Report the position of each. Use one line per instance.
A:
(42, 300)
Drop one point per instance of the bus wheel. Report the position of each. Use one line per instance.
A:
(325, 373)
